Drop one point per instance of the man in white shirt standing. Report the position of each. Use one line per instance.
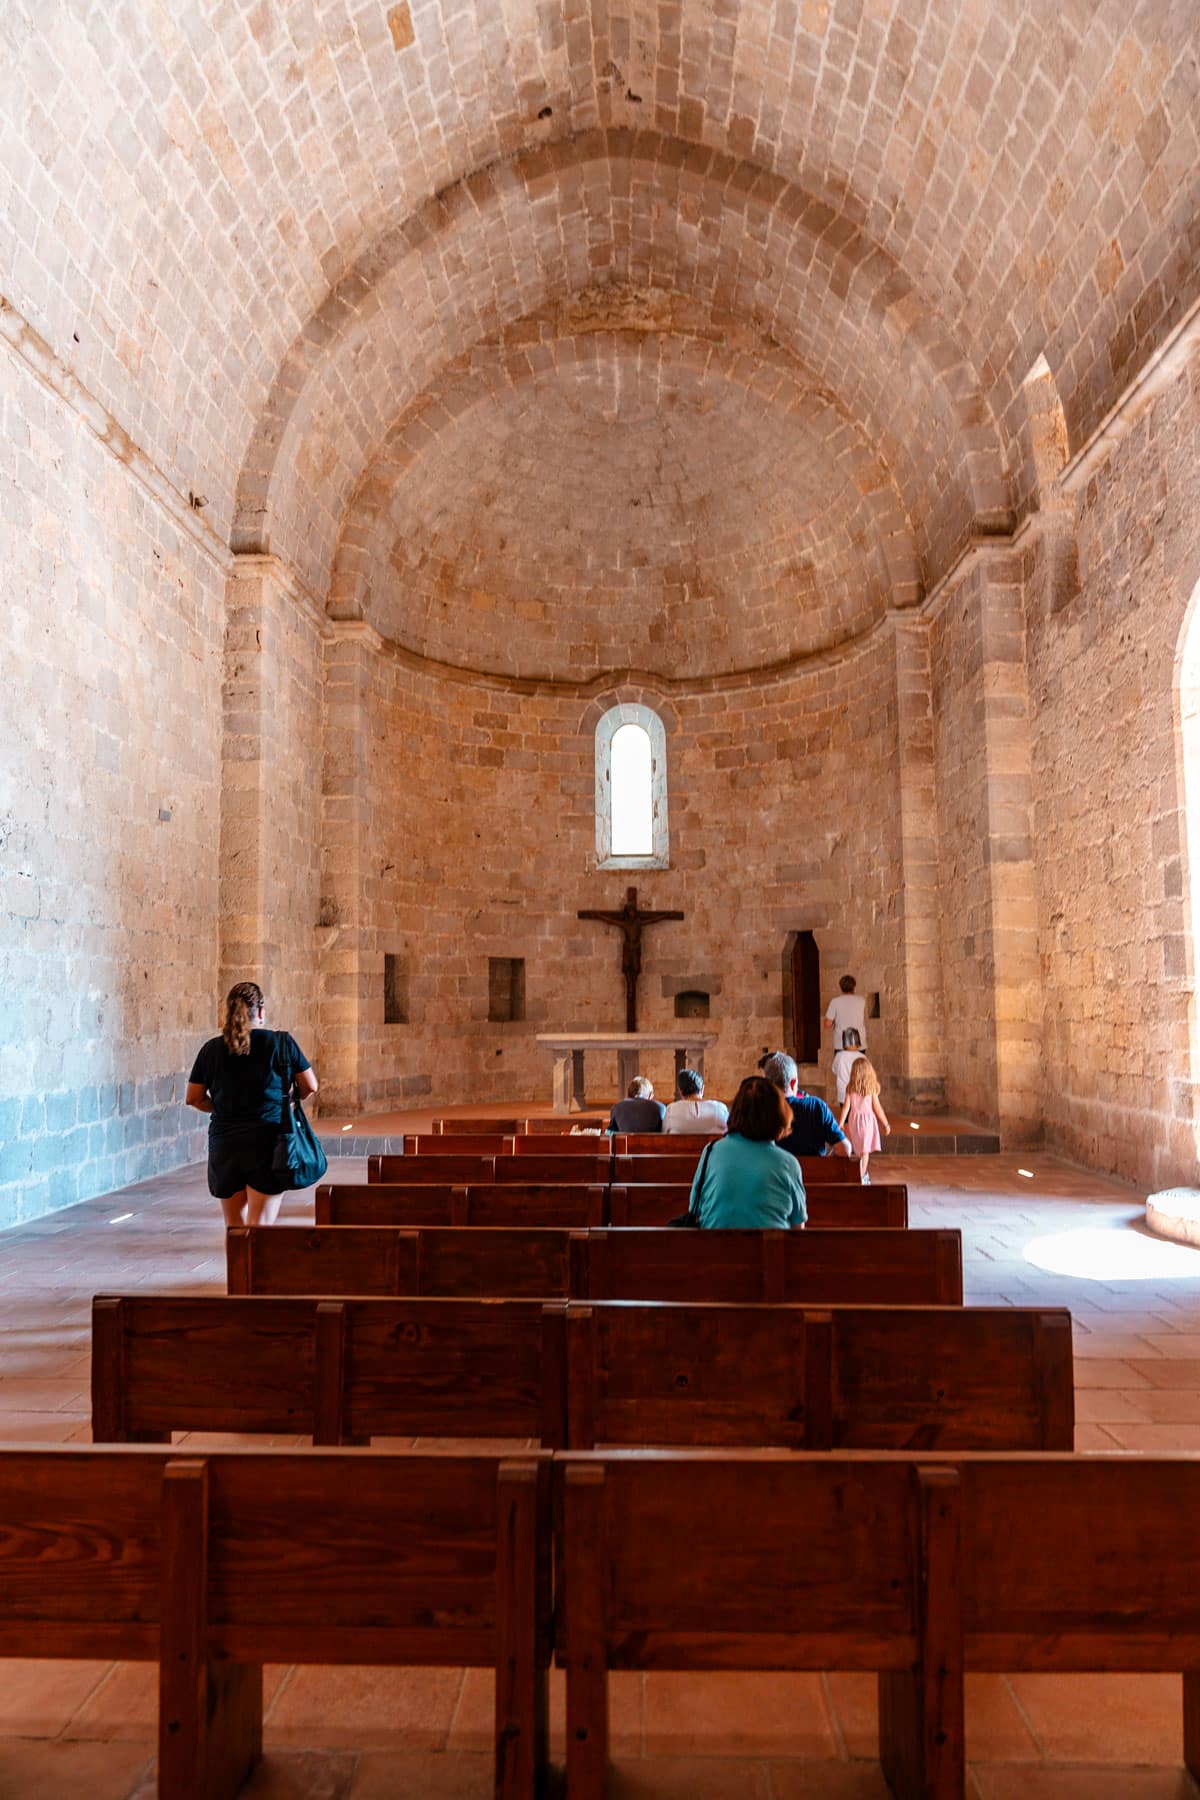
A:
(691, 1113)
(847, 1011)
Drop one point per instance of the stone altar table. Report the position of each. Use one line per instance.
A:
(568, 1050)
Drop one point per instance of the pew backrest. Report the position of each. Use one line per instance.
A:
(477, 1127)
(485, 1143)
(585, 1144)
(842, 1377)
(672, 1165)
(338, 1370)
(214, 1564)
(842, 1204)
(664, 1143)
(451, 1166)
(888, 1268)
(918, 1268)
(567, 1206)
(430, 1261)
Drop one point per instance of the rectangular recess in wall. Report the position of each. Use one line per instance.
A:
(506, 989)
(395, 990)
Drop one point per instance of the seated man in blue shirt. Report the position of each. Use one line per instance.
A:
(815, 1131)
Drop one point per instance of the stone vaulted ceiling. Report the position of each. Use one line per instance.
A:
(725, 304)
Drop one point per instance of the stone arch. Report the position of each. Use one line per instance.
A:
(630, 207)
(845, 523)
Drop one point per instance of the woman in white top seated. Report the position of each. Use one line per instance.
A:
(691, 1112)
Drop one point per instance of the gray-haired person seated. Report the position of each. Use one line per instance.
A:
(691, 1112)
(639, 1111)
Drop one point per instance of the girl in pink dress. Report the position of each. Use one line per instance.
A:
(862, 1115)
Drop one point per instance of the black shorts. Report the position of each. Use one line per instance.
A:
(240, 1157)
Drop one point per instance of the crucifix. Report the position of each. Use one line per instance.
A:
(630, 921)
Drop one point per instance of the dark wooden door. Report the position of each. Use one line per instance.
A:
(806, 998)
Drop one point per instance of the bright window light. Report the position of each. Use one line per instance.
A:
(1127, 1253)
(120, 1218)
(1027, 1173)
(632, 797)
(914, 1125)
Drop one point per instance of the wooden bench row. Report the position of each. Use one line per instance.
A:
(558, 1126)
(687, 1148)
(577, 1205)
(918, 1570)
(892, 1268)
(569, 1374)
(441, 1159)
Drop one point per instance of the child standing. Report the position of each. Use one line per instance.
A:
(862, 1115)
(844, 1060)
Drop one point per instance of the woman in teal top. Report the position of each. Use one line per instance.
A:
(745, 1181)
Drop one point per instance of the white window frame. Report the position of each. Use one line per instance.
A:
(632, 713)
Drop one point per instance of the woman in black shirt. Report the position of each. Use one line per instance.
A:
(241, 1078)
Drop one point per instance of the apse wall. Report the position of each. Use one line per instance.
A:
(481, 826)
(110, 718)
(1118, 940)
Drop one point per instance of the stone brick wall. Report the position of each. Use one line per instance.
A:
(1119, 963)
(109, 795)
(473, 829)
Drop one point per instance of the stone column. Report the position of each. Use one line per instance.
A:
(343, 935)
(1013, 937)
(922, 1046)
(270, 758)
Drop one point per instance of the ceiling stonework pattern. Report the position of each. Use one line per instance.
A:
(265, 237)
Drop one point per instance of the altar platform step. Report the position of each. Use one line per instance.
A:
(382, 1134)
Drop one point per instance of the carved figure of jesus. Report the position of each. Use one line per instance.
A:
(630, 921)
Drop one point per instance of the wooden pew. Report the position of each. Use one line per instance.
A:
(342, 1371)
(919, 1569)
(477, 1127)
(478, 1143)
(212, 1565)
(383, 1203)
(535, 1144)
(844, 1204)
(845, 1377)
(475, 1171)
(453, 1168)
(768, 1562)
(919, 1268)
(669, 1167)
(565, 1123)
(442, 1262)
(663, 1143)
(887, 1268)
(349, 1370)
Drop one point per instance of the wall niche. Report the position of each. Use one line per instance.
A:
(506, 989)
(693, 1003)
(395, 990)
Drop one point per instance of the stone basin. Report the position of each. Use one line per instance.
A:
(1175, 1213)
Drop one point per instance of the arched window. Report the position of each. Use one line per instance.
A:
(631, 790)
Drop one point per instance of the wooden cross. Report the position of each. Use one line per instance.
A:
(630, 921)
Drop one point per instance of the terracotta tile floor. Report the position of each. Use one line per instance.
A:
(1061, 1237)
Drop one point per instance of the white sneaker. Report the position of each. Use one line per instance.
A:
(866, 1180)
